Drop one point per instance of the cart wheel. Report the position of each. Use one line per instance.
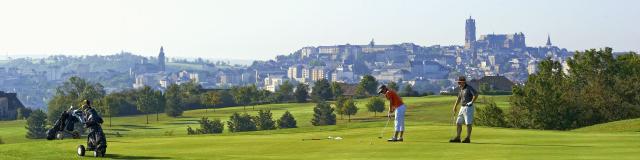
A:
(96, 153)
(81, 150)
(60, 136)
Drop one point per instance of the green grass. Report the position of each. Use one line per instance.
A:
(428, 129)
(630, 125)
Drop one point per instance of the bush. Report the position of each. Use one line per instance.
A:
(36, 125)
(264, 120)
(241, 123)
(190, 131)
(210, 126)
(287, 121)
(490, 115)
(323, 115)
(207, 127)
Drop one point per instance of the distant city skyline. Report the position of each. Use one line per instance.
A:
(263, 29)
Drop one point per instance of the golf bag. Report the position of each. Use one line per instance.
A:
(65, 124)
(96, 139)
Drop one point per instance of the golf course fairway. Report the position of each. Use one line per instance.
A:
(428, 130)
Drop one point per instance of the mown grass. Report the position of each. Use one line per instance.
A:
(428, 129)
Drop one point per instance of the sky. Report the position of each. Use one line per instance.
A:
(262, 29)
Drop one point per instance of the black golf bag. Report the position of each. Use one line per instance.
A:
(65, 124)
(96, 139)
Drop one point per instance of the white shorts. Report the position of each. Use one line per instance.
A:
(465, 115)
(399, 121)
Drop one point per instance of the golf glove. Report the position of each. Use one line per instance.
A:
(470, 103)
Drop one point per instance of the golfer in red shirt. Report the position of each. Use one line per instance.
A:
(396, 106)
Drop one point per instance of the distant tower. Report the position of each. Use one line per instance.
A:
(549, 41)
(469, 33)
(161, 59)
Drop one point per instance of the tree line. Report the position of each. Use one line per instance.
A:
(597, 87)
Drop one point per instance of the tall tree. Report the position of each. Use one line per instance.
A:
(212, 98)
(369, 84)
(336, 90)
(240, 96)
(286, 91)
(71, 93)
(301, 94)
(112, 104)
(146, 101)
(321, 90)
(173, 107)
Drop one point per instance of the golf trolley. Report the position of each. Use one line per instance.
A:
(66, 124)
(96, 140)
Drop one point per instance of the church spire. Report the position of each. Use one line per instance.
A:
(548, 40)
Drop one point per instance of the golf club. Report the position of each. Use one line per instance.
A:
(385, 128)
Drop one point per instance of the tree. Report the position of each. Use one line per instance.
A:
(375, 105)
(36, 125)
(173, 106)
(321, 90)
(71, 93)
(286, 91)
(264, 120)
(350, 108)
(241, 96)
(369, 84)
(339, 105)
(336, 90)
(254, 95)
(287, 121)
(393, 86)
(323, 115)
(241, 123)
(301, 94)
(112, 104)
(212, 98)
(148, 101)
(159, 105)
(408, 91)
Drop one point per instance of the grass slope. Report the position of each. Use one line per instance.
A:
(629, 125)
(428, 129)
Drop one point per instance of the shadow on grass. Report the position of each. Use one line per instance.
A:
(532, 145)
(116, 129)
(180, 123)
(117, 156)
(514, 144)
(137, 126)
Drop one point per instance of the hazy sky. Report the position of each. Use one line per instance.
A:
(262, 29)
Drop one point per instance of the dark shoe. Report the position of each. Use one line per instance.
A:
(466, 140)
(399, 140)
(392, 139)
(454, 140)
